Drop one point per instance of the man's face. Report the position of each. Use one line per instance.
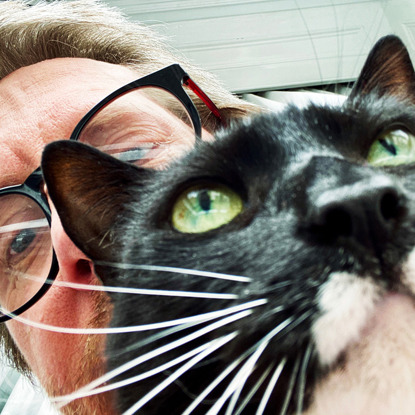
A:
(39, 104)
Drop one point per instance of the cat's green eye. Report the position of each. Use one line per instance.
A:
(203, 208)
(393, 148)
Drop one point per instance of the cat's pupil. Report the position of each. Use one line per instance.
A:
(204, 200)
(388, 146)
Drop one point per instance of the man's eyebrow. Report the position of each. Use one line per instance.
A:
(158, 126)
(131, 122)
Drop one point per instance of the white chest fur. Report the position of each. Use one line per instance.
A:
(375, 333)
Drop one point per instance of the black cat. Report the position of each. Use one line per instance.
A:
(307, 238)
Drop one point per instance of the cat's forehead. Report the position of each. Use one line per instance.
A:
(273, 147)
(343, 130)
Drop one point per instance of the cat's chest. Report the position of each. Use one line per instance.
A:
(377, 373)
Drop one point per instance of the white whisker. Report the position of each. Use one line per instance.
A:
(160, 268)
(144, 291)
(213, 385)
(270, 387)
(157, 336)
(147, 374)
(242, 378)
(175, 375)
(198, 319)
(31, 277)
(229, 369)
(302, 379)
(259, 347)
(144, 327)
(275, 310)
(253, 390)
(29, 224)
(282, 284)
(298, 320)
(237, 382)
(290, 387)
(151, 355)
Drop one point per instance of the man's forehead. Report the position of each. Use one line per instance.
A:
(43, 102)
(53, 70)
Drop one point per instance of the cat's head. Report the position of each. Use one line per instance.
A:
(272, 267)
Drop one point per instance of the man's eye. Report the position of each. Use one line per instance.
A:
(22, 241)
(134, 155)
(392, 148)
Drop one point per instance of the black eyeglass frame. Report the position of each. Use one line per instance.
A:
(172, 79)
(31, 188)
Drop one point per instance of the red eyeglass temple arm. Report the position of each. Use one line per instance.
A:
(208, 102)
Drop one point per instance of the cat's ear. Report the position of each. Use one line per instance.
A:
(388, 71)
(89, 190)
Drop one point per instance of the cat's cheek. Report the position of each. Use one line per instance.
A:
(345, 301)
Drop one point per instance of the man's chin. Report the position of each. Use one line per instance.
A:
(92, 405)
(91, 367)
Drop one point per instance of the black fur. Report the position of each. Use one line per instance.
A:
(287, 240)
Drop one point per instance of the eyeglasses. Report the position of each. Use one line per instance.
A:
(136, 123)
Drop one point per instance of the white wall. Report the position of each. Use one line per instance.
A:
(255, 45)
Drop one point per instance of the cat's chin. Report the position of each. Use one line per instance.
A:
(346, 302)
(377, 373)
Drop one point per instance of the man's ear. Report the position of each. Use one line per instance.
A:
(388, 71)
(89, 190)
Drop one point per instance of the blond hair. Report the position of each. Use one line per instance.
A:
(90, 29)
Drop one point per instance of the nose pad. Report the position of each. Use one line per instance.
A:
(365, 212)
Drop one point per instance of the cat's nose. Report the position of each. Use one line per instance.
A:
(367, 212)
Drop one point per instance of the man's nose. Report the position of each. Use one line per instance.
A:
(74, 265)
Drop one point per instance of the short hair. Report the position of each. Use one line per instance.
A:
(94, 30)
(31, 33)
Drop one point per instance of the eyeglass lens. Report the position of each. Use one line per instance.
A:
(147, 126)
(25, 250)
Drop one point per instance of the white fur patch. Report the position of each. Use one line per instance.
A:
(376, 332)
(409, 272)
(378, 375)
(346, 302)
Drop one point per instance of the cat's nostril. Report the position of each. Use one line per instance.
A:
(390, 205)
(368, 214)
(337, 221)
